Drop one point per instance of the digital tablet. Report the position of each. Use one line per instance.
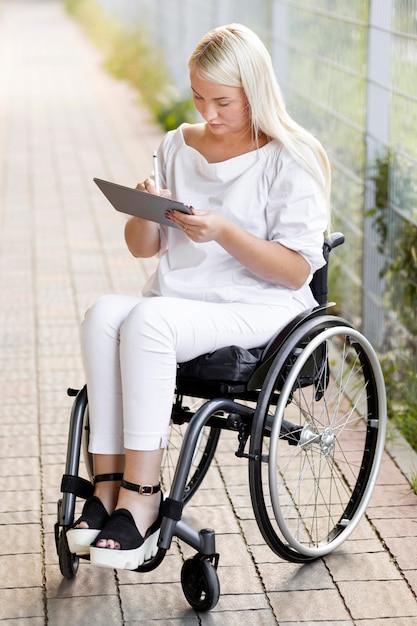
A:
(139, 203)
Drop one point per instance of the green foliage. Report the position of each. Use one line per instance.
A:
(171, 115)
(397, 242)
(129, 56)
(401, 386)
(381, 180)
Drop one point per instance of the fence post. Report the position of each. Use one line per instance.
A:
(377, 141)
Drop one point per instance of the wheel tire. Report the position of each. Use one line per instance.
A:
(200, 584)
(310, 487)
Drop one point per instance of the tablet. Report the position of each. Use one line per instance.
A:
(139, 203)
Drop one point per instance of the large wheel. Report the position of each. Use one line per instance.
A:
(317, 440)
(202, 457)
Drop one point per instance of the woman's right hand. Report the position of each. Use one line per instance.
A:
(148, 185)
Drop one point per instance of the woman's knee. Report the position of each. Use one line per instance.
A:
(107, 314)
(150, 318)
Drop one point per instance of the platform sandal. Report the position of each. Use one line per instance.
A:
(134, 549)
(94, 514)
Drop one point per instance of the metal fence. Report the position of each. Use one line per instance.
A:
(348, 69)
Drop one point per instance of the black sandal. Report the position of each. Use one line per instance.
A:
(95, 515)
(134, 549)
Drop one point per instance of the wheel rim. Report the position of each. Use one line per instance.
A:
(319, 489)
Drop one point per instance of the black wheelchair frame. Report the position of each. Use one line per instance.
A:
(309, 411)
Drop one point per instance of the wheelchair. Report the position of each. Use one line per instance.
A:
(309, 412)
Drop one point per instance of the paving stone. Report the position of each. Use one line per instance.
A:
(378, 599)
(367, 567)
(20, 570)
(86, 610)
(22, 605)
(324, 605)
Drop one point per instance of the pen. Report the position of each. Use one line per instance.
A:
(156, 173)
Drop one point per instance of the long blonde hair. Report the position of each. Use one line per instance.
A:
(234, 55)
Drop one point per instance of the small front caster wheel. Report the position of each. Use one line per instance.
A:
(68, 562)
(200, 583)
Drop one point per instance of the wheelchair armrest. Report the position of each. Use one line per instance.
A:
(319, 283)
(332, 241)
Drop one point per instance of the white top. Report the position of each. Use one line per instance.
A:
(266, 192)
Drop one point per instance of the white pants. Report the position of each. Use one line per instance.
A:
(131, 347)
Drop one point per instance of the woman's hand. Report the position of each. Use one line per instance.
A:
(148, 185)
(201, 226)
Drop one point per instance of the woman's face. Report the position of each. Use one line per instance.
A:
(225, 109)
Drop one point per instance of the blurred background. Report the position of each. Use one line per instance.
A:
(348, 71)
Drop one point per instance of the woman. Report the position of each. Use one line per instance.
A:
(233, 272)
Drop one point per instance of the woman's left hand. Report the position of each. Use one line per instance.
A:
(201, 226)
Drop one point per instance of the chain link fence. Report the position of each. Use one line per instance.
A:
(348, 69)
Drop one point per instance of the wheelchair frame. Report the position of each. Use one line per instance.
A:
(310, 416)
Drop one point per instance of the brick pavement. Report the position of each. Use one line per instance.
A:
(63, 121)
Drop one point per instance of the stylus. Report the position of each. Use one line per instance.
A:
(156, 173)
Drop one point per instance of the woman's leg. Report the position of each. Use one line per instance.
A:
(158, 333)
(100, 341)
(100, 346)
(144, 467)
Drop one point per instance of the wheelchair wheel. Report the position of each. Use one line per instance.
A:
(202, 458)
(200, 583)
(68, 562)
(317, 440)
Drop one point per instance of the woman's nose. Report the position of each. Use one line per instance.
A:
(210, 113)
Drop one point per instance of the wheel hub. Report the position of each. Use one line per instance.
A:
(326, 440)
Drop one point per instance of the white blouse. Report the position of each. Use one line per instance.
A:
(266, 192)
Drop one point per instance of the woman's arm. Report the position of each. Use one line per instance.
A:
(268, 260)
(142, 236)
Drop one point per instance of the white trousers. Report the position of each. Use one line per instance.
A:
(131, 347)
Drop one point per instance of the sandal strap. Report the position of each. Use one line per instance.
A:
(121, 527)
(143, 490)
(101, 478)
(93, 513)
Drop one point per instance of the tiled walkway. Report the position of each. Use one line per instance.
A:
(63, 121)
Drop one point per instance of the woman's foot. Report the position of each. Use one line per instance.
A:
(95, 513)
(130, 536)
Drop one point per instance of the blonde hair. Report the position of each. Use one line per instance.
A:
(234, 55)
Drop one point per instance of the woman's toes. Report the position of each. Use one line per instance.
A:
(110, 544)
(82, 525)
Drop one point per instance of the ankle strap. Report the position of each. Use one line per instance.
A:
(143, 490)
(101, 478)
